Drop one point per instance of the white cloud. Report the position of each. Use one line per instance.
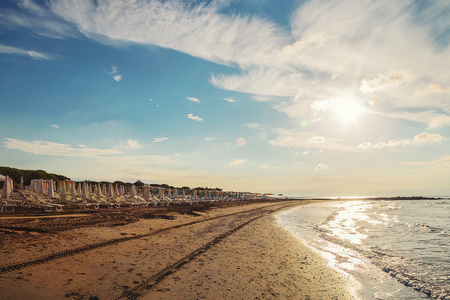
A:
(140, 161)
(315, 140)
(263, 166)
(321, 167)
(300, 139)
(54, 125)
(195, 118)
(423, 138)
(427, 138)
(439, 121)
(432, 88)
(161, 139)
(113, 72)
(130, 144)
(365, 146)
(150, 99)
(37, 19)
(193, 99)
(253, 125)
(18, 51)
(82, 146)
(199, 30)
(381, 82)
(56, 149)
(236, 162)
(209, 138)
(231, 100)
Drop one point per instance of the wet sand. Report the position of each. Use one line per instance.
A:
(214, 257)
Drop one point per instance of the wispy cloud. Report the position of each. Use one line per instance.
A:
(161, 139)
(321, 167)
(176, 25)
(423, 138)
(210, 138)
(393, 79)
(114, 72)
(300, 139)
(4, 49)
(193, 99)
(236, 162)
(54, 125)
(56, 149)
(230, 100)
(253, 125)
(195, 118)
(130, 144)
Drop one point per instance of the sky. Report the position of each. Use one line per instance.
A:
(303, 98)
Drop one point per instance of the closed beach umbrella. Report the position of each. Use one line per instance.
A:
(79, 189)
(62, 188)
(146, 192)
(110, 191)
(104, 189)
(99, 190)
(21, 182)
(41, 188)
(6, 188)
(50, 190)
(72, 189)
(116, 191)
(133, 191)
(84, 192)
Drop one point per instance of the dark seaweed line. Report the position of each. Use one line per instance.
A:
(78, 250)
(147, 285)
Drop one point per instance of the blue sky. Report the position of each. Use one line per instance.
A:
(328, 98)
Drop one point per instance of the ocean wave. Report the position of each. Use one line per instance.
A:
(425, 227)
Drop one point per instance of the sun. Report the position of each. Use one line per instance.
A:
(347, 110)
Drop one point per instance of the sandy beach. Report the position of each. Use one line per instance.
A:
(220, 252)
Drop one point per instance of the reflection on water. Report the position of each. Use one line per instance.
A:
(371, 240)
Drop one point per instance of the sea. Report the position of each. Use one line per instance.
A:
(390, 249)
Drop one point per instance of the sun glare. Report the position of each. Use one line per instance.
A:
(348, 110)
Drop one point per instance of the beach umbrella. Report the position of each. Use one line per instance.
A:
(40, 189)
(116, 191)
(122, 190)
(104, 189)
(98, 190)
(147, 192)
(110, 191)
(84, 192)
(175, 194)
(21, 182)
(62, 188)
(78, 193)
(73, 192)
(95, 189)
(133, 191)
(6, 188)
(51, 189)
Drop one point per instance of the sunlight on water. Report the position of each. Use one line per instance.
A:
(393, 249)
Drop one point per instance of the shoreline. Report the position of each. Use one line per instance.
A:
(260, 260)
